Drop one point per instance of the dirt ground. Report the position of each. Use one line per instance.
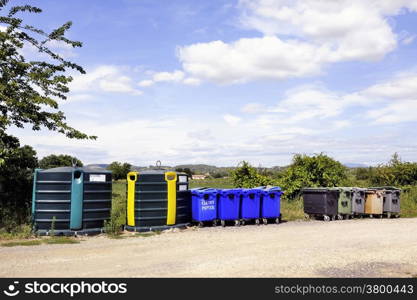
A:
(353, 248)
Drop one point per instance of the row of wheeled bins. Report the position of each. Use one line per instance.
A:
(236, 206)
(350, 202)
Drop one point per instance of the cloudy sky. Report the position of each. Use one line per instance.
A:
(221, 81)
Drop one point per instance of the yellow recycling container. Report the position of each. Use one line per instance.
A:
(157, 200)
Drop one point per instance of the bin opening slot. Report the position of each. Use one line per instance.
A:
(77, 174)
(231, 196)
(272, 196)
(251, 196)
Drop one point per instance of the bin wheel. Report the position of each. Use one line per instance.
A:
(371, 216)
(326, 218)
(380, 216)
(333, 218)
(200, 224)
(223, 223)
(339, 217)
(278, 220)
(238, 223)
(397, 216)
(241, 222)
(257, 222)
(361, 216)
(389, 215)
(307, 216)
(346, 217)
(265, 221)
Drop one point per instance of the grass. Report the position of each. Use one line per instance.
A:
(22, 243)
(49, 241)
(220, 183)
(61, 240)
(409, 202)
(292, 210)
(114, 226)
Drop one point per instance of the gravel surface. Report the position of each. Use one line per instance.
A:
(353, 248)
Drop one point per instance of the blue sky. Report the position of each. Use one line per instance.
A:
(222, 81)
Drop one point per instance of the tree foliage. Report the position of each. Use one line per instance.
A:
(119, 170)
(186, 171)
(30, 89)
(16, 170)
(311, 171)
(62, 160)
(396, 172)
(246, 176)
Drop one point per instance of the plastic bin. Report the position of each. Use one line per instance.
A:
(391, 200)
(250, 205)
(204, 205)
(373, 202)
(270, 203)
(228, 205)
(358, 202)
(344, 206)
(321, 202)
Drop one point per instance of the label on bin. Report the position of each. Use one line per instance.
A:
(182, 187)
(207, 204)
(98, 178)
(182, 178)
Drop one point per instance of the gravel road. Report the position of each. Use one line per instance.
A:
(353, 248)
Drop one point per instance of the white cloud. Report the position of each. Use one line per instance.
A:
(300, 38)
(105, 78)
(408, 39)
(191, 81)
(146, 83)
(175, 76)
(400, 87)
(168, 76)
(231, 119)
(253, 108)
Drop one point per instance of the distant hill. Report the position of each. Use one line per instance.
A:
(355, 165)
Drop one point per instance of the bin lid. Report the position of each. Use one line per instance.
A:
(71, 169)
(230, 191)
(251, 191)
(202, 191)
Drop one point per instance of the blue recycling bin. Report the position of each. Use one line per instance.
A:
(250, 205)
(271, 203)
(204, 205)
(228, 205)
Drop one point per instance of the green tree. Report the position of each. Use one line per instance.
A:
(119, 170)
(246, 176)
(185, 170)
(395, 172)
(29, 90)
(311, 171)
(16, 183)
(62, 160)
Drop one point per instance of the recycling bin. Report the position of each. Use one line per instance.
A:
(321, 202)
(391, 200)
(204, 205)
(344, 204)
(373, 203)
(250, 205)
(358, 202)
(270, 203)
(228, 205)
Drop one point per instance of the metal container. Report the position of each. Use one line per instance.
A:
(157, 200)
(321, 202)
(373, 203)
(71, 201)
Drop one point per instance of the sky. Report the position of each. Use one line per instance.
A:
(217, 82)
